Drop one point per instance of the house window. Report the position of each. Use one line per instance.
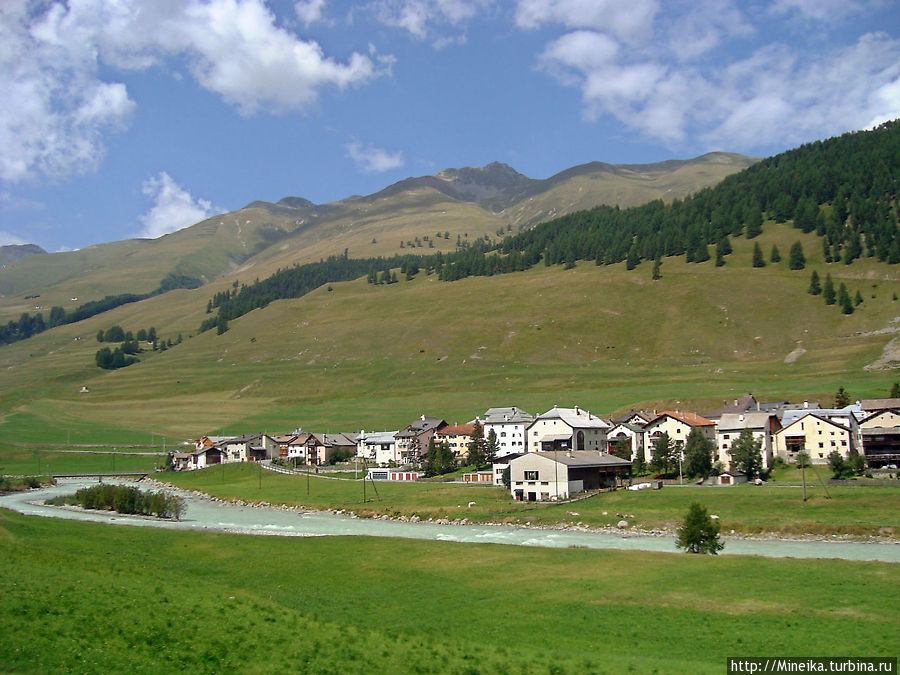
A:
(544, 482)
(726, 436)
(531, 475)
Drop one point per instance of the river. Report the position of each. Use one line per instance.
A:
(206, 514)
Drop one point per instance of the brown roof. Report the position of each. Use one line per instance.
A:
(689, 418)
(870, 404)
(457, 430)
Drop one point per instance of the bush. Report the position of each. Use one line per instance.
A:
(127, 499)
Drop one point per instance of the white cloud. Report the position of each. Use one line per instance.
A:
(821, 10)
(58, 105)
(630, 21)
(373, 160)
(309, 11)
(416, 16)
(680, 87)
(173, 209)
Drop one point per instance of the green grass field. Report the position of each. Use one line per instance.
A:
(154, 601)
(743, 508)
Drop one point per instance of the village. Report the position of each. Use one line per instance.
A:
(566, 451)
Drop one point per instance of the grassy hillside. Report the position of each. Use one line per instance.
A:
(363, 356)
(624, 186)
(205, 250)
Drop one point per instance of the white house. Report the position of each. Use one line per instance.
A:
(502, 464)
(197, 459)
(377, 446)
(509, 424)
(567, 428)
(762, 425)
(550, 476)
(678, 426)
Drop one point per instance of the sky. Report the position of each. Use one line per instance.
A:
(135, 118)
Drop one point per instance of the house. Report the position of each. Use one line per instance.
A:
(378, 446)
(631, 434)
(640, 418)
(762, 425)
(567, 429)
(197, 459)
(509, 425)
(737, 406)
(249, 448)
(412, 440)
(727, 478)
(678, 425)
(818, 436)
(502, 464)
(881, 437)
(321, 448)
(872, 406)
(457, 437)
(550, 476)
(847, 416)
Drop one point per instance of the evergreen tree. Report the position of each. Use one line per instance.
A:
(844, 300)
(720, 257)
(746, 454)
(828, 290)
(775, 255)
(796, 260)
(698, 451)
(841, 398)
(814, 287)
(754, 220)
(476, 456)
(662, 452)
(699, 533)
(758, 256)
(221, 324)
(491, 447)
(895, 390)
(622, 449)
(656, 274)
(858, 298)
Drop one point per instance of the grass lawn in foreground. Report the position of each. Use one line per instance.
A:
(88, 597)
(743, 508)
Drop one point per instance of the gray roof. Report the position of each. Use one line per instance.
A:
(511, 415)
(584, 458)
(378, 437)
(576, 418)
(791, 416)
(737, 406)
(750, 420)
(420, 424)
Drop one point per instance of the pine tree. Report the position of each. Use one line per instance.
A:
(476, 455)
(491, 447)
(699, 533)
(814, 287)
(796, 260)
(775, 255)
(844, 299)
(720, 257)
(857, 300)
(841, 398)
(754, 220)
(758, 256)
(828, 290)
(656, 274)
(895, 390)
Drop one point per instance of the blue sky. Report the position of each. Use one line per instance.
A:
(126, 118)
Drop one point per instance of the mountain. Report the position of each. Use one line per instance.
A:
(13, 252)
